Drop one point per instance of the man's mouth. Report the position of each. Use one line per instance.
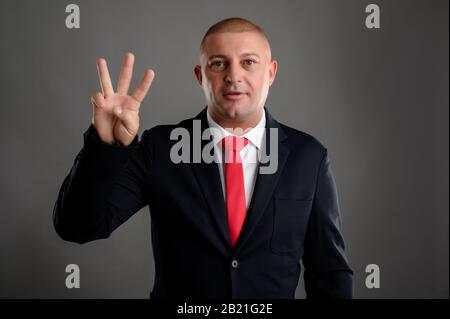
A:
(233, 95)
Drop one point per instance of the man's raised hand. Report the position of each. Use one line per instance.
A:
(115, 115)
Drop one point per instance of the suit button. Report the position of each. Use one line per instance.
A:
(234, 264)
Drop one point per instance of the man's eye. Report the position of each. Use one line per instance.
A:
(217, 63)
(249, 62)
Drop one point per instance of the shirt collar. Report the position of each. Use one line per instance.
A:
(255, 135)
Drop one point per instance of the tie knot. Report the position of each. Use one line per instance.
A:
(234, 143)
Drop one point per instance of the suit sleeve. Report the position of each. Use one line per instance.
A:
(105, 187)
(327, 271)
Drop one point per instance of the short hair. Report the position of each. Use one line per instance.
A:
(234, 24)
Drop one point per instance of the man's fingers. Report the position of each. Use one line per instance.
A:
(98, 99)
(105, 79)
(124, 79)
(142, 89)
(125, 74)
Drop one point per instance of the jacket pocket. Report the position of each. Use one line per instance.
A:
(289, 224)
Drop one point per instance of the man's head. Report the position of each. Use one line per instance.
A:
(235, 72)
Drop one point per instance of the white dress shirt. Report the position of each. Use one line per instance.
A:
(249, 154)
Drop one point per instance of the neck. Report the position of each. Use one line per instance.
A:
(237, 124)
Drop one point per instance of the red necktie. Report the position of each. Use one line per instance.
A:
(234, 181)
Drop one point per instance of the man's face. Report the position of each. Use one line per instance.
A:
(235, 74)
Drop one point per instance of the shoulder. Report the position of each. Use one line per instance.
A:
(298, 140)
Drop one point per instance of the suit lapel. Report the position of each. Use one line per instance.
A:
(265, 183)
(209, 180)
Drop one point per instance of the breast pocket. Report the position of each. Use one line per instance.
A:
(289, 224)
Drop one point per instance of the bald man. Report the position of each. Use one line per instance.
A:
(235, 208)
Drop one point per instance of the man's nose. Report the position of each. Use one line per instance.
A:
(234, 73)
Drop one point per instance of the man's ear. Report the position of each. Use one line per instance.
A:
(272, 71)
(198, 74)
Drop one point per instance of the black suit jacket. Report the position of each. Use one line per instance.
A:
(293, 215)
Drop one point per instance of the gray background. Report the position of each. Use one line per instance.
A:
(378, 99)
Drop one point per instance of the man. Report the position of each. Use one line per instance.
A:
(220, 229)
